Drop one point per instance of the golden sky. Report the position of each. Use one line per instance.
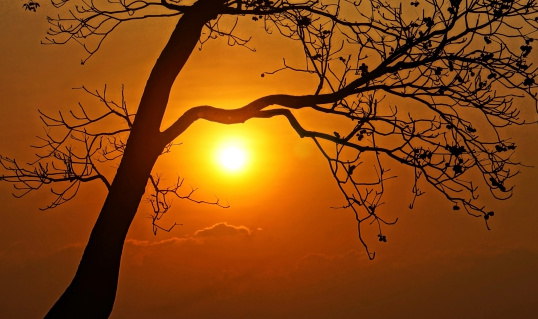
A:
(280, 250)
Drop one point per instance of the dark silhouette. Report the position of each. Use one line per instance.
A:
(452, 71)
(31, 5)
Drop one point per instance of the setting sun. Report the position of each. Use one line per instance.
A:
(231, 158)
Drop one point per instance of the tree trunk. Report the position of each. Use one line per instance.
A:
(92, 292)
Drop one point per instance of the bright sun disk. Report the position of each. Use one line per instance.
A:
(232, 158)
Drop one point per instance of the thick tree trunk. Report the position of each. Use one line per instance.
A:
(92, 292)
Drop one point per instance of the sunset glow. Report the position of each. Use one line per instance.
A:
(259, 205)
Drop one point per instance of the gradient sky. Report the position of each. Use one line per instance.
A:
(280, 250)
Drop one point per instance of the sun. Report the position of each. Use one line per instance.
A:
(232, 158)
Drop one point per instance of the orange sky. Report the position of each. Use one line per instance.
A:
(279, 251)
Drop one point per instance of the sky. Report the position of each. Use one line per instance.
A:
(280, 250)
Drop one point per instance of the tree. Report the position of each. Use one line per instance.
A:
(457, 67)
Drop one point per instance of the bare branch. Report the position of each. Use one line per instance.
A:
(425, 85)
(73, 150)
(161, 202)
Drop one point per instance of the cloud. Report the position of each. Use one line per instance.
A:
(143, 250)
(164, 242)
(222, 229)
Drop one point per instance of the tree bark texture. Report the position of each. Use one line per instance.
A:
(92, 291)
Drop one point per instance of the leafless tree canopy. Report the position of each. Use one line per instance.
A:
(428, 85)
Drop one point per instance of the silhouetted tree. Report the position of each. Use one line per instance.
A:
(425, 85)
